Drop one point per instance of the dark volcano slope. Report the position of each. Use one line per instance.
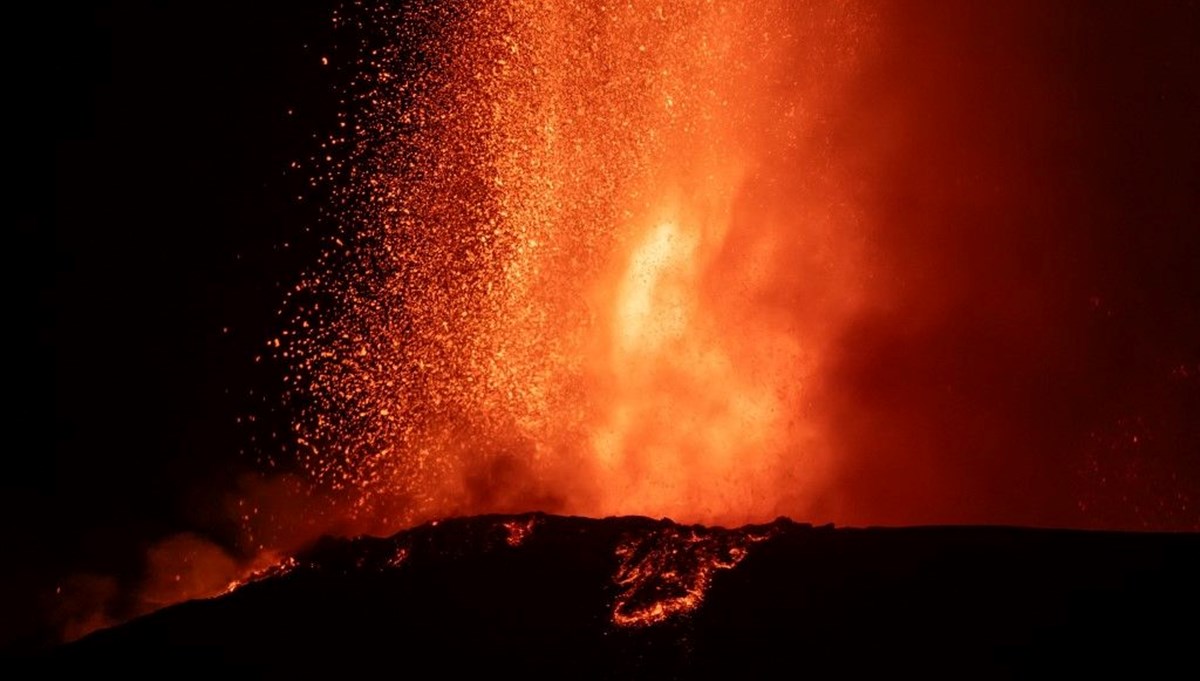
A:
(572, 597)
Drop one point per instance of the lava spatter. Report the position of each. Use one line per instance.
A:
(564, 233)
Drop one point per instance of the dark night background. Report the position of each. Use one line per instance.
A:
(150, 205)
(151, 209)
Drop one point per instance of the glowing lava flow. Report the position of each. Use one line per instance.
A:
(665, 574)
(591, 257)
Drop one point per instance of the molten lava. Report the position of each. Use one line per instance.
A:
(666, 573)
(592, 258)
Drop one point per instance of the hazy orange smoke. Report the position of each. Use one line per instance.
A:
(594, 257)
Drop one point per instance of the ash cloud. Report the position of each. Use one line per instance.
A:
(1028, 352)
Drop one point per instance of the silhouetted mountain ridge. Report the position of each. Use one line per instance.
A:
(634, 597)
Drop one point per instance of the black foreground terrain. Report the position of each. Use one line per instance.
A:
(551, 596)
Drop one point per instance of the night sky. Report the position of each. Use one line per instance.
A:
(153, 203)
(151, 209)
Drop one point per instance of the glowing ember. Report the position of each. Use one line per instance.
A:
(591, 258)
(400, 557)
(518, 531)
(277, 569)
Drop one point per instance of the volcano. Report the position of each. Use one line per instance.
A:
(344, 271)
(631, 597)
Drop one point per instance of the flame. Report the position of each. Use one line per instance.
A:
(592, 256)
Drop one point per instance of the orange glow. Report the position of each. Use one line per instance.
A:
(592, 259)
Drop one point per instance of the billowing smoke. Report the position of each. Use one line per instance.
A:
(723, 263)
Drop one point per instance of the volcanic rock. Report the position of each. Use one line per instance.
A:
(633, 597)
